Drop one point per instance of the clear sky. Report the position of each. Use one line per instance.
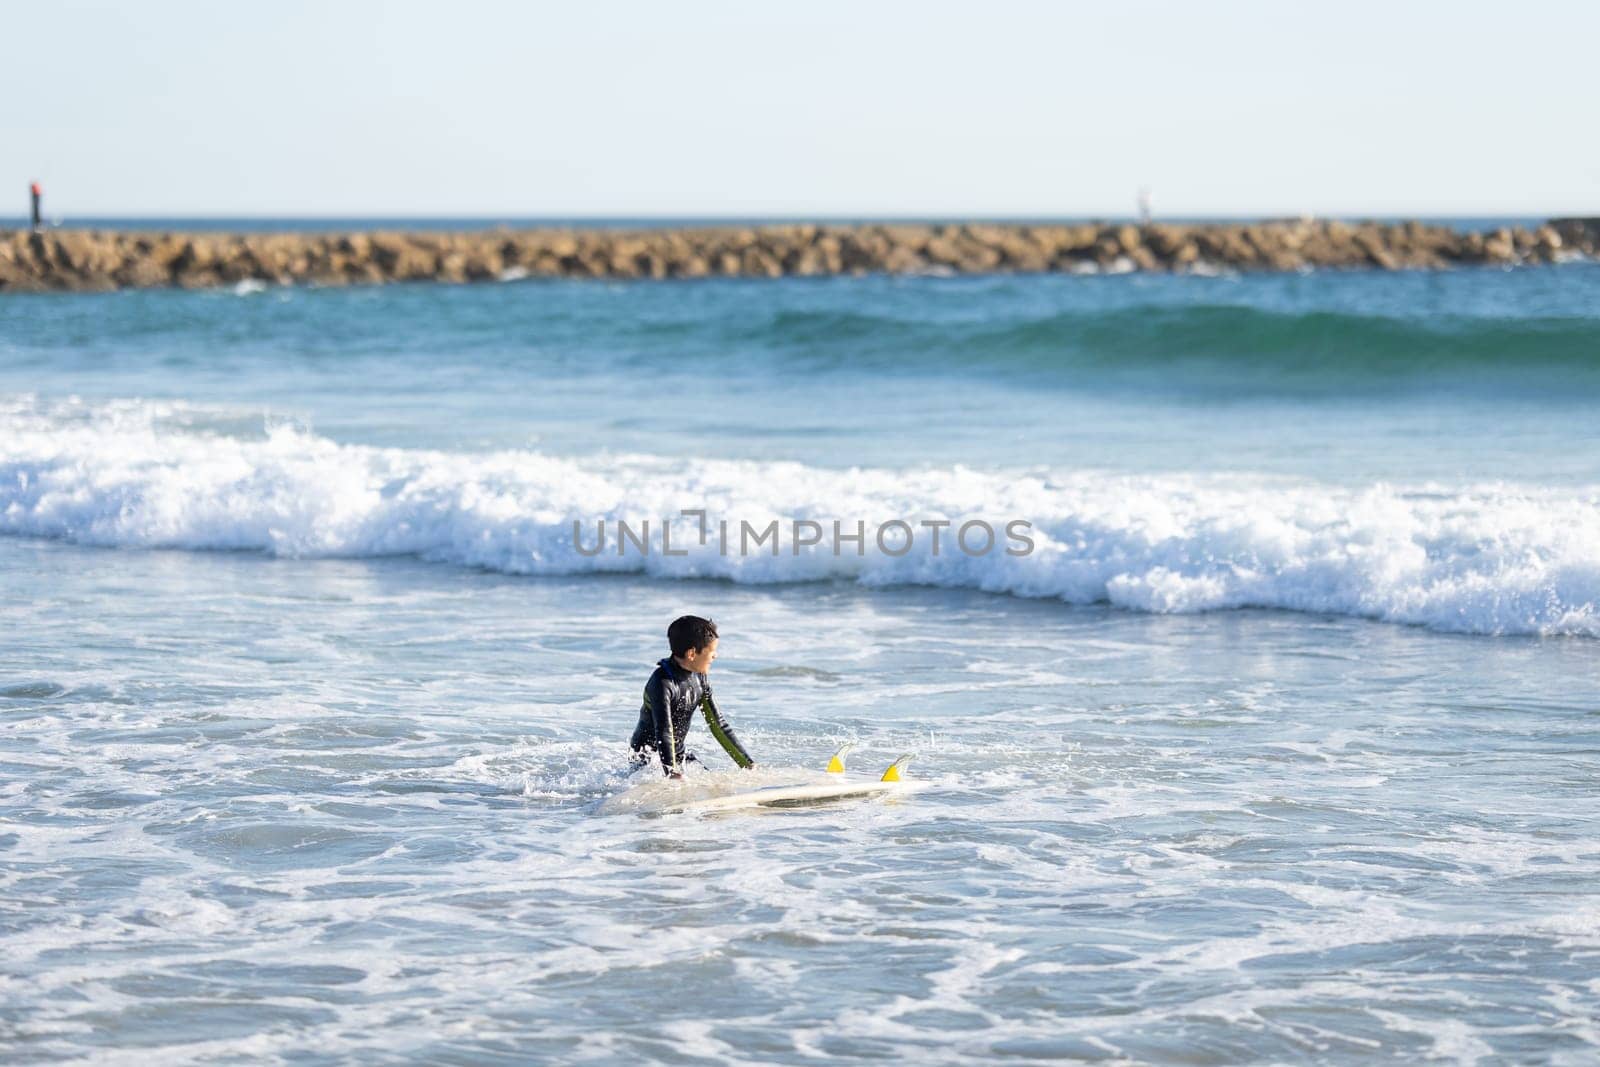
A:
(809, 108)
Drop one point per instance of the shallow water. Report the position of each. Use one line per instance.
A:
(314, 811)
(313, 718)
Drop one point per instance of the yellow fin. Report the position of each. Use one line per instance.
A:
(893, 773)
(836, 764)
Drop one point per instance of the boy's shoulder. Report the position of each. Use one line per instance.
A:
(671, 673)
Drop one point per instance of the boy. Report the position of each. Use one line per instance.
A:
(677, 687)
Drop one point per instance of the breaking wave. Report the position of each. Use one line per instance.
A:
(1483, 558)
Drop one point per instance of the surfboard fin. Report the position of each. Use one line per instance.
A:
(836, 764)
(893, 773)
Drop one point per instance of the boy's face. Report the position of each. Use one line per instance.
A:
(699, 659)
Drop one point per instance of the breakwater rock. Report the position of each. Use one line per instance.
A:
(92, 260)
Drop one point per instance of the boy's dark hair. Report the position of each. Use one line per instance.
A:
(689, 632)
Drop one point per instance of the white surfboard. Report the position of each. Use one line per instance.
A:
(806, 794)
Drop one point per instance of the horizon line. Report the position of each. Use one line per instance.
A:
(331, 216)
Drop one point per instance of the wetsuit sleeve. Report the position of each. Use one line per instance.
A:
(655, 694)
(724, 736)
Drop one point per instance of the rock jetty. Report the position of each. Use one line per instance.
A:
(68, 259)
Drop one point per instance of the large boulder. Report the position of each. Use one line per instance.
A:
(1164, 240)
(82, 253)
(904, 260)
(400, 259)
(691, 266)
(759, 262)
(141, 272)
(832, 249)
(483, 263)
(1500, 247)
(195, 257)
(944, 251)
(1580, 235)
(1372, 246)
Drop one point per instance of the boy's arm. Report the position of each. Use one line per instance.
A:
(724, 736)
(655, 692)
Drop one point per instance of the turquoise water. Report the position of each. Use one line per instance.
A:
(1279, 746)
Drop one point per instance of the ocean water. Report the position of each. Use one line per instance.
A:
(458, 224)
(1280, 743)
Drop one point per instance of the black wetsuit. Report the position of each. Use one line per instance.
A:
(670, 698)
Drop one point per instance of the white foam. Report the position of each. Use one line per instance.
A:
(1486, 558)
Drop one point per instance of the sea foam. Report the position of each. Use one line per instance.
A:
(1477, 558)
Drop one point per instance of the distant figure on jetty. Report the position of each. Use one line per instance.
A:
(38, 195)
(1144, 205)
